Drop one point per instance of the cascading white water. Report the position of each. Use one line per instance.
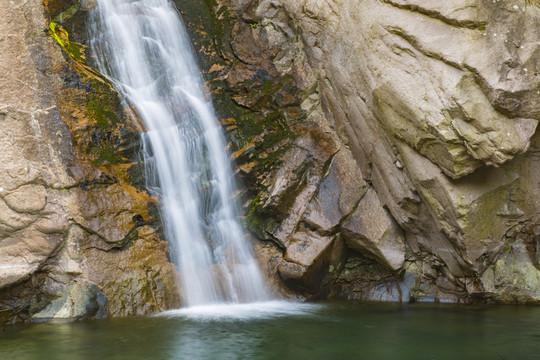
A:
(143, 47)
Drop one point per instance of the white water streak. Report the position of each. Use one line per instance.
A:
(241, 312)
(142, 45)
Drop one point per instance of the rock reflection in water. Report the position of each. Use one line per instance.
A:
(291, 331)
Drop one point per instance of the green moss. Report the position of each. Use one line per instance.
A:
(107, 153)
(273, 134)
(251, 221)
(482, 28)
(208, 25)
(267, 124)
(75, 50)
(98, 109)
(104, 107)
(483, 219)
(66, 14)
(265, 106)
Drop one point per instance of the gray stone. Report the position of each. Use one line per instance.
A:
(438, 104)
(76, 301)
(337, 195)
(306, 258)
(374, 233)
(512, 277)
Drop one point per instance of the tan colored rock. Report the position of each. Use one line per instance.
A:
(373, 232)
(305, 260)
(27, 199)
(27, 160)
(438, 104)
(440, 47)
(69, 245)
(11, 221)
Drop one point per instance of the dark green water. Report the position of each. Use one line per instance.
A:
(324, 331)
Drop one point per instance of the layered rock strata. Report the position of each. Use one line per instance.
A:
(389, 147)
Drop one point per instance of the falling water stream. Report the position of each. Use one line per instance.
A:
(142, 46)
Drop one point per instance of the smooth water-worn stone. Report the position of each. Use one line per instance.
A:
(77, 301)
(27, 199)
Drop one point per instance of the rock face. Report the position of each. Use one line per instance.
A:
(388, 147)
(388, 151)
(373, 231)
(76, 235)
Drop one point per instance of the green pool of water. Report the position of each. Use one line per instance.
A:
(320, 331)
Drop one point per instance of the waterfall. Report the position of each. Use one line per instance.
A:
(142, 46)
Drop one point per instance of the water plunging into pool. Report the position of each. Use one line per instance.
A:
(143, 47)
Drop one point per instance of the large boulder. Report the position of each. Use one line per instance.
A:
(438, 103)
(372, 231)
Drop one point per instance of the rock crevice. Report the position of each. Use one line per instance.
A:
(431, 109)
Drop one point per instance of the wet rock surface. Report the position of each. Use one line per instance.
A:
(79, 236)
(403, 133)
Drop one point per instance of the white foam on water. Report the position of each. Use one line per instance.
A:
(239, 312)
